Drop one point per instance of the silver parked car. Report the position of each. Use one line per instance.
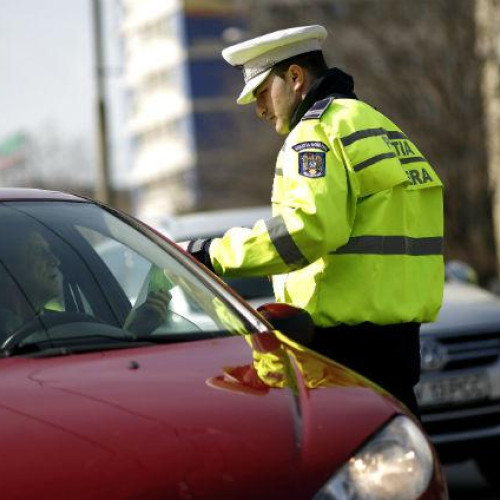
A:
(459, 391)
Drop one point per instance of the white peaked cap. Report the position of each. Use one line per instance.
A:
(258, 55)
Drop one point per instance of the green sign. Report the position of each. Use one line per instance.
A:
(12, 144)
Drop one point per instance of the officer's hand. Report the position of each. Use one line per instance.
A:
(199, 249)
(149, 315)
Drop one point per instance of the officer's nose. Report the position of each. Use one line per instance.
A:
(260, 108)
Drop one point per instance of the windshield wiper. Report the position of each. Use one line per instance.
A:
(95, 343)
(62, 346)
(66, 351)
(173, 338)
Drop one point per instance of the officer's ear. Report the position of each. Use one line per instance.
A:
(297, 77)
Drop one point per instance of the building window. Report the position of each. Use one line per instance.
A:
(166, 132)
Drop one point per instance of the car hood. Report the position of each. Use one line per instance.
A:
(464, 307)
(182, 420)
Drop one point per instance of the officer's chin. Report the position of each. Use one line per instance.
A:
(281, 127)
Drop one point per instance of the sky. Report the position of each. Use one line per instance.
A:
(46, 66)
(47, 74)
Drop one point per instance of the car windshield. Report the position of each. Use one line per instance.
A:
(75, 276)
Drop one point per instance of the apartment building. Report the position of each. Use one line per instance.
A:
(178, 93)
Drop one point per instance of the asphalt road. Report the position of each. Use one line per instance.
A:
(466, 483)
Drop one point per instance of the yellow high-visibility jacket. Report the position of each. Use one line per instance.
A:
(357, 227)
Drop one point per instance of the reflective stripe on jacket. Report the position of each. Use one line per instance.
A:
(357, 226)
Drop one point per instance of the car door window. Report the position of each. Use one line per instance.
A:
(189, 307)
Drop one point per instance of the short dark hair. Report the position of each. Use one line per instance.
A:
(314, 62)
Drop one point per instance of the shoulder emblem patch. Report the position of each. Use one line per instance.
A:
(318, 108)
(310, 145)
(312, 164)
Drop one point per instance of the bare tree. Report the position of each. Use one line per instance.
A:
(60, 162)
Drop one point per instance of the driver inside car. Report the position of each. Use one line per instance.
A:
(32, 284)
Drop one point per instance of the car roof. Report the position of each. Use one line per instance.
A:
(10, 194)
(211, 223)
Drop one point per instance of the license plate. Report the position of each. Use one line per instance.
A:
(453, 390)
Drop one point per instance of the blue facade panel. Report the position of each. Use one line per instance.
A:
(209, 77)
(206, 26)
(214, 130)
(212, 81)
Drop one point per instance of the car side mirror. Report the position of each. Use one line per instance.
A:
(294, 322)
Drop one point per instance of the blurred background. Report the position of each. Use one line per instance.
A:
(129, 101)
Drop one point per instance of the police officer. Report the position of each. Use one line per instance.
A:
(356, 233)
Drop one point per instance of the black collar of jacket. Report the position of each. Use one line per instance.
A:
(334, 83)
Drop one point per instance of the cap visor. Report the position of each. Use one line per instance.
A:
(247, 96)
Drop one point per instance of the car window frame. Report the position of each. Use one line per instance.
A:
(69, 230)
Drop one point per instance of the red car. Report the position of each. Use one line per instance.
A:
(175, 388)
